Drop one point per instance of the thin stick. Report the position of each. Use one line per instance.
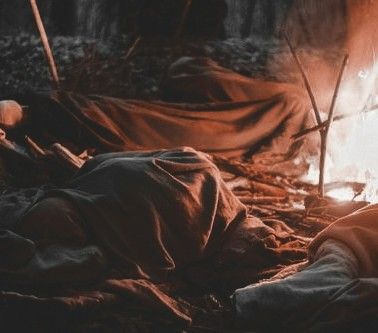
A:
(132, 48)
(34, 146)
(46, 45)
(129, 53)
(183, 19)
(305, 79)
(316, 128)
(324, 132)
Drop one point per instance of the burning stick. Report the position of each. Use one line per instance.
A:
(46, 45)
(323, 127)
(307, 131)
(324, 132)
(305, 80)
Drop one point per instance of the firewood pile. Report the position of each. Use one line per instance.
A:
(274, 195)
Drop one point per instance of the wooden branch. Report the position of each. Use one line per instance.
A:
(250, 200)
(324, 132)
(129, 53)
(316, 128)
(34, 146)
(66, 156)
(131, 50)
(305, 79)
(46, 46)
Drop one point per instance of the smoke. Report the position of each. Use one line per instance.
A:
(362, 40)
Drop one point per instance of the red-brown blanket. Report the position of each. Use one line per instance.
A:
(214, 110)
(126, 223)
(143, 215)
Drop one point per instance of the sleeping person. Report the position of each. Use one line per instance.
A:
(144, 214)
(336, 292)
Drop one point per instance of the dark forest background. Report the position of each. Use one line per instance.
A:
(93, 41)
(206, 18)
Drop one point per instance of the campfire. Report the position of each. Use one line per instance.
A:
(346, 167)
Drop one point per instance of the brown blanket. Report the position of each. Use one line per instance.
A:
(336, 292)
(220, 112)
(154, 211)
(142, 214)
(359, 231)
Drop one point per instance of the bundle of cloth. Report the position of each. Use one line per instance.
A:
(207, 107)
(124, 230)
(336, 292)
(124, 223)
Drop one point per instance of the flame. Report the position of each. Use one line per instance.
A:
(352, 154)
(342, 194)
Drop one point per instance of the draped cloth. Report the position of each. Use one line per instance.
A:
(337, 292)
(154, 211)
(141, 214)
(207, 107)
(358, 231)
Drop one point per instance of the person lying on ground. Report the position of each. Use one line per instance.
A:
(147, 212)
(337, 291)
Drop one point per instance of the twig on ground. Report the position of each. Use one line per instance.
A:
(249, 200)
(34, 146)
(131, 50)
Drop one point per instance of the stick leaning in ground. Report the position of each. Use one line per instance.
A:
(324, 132)
(323, 127)
(46, 45)
(305, 80)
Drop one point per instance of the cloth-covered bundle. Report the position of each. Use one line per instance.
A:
(209, 108)
(141, 214)
(337, 292)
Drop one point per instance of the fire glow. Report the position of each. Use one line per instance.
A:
(352, 154)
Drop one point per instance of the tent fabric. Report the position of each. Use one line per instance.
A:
(233, 115)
